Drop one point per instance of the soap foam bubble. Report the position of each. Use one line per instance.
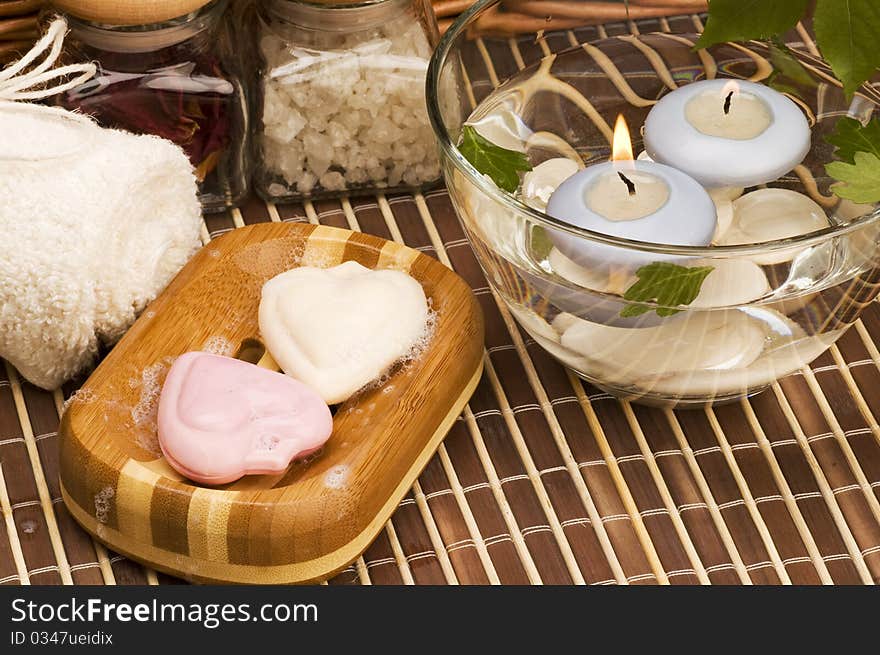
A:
(103, 504)
(336, 477)
(79, 397)
(317, 259)
(422, 343)
(412, 355)
(218, 345)
(267, 259)
(144, 415)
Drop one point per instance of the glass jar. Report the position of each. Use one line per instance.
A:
(177, 79)
(341, 103)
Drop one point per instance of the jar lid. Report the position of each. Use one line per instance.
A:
(336, 15)
(133, 12)
(340, 3)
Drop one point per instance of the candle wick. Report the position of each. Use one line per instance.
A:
(727, 102)
(630, 185)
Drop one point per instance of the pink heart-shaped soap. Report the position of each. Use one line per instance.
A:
(222, 418)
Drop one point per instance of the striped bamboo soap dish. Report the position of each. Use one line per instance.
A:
(317, 517)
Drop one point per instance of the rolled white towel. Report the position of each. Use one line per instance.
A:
(94, 223)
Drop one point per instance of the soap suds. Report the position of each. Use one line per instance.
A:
(217, 345)
(336, 477)
(413, 354)
(79, 397)
(102, 504)
(318, 259)
(144, 415)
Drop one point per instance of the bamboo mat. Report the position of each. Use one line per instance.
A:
(519, 16)
(545, 479)
(18, 27)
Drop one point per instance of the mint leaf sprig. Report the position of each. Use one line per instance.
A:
(665, 284)
(858, 148)
(860, 181)
(741, 20)
(846, 30)
(500, 164)
(850, 137)
(789, 74)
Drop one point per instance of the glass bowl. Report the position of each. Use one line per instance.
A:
(764, 311)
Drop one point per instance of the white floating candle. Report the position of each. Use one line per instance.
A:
(727, 133)
(635, 200)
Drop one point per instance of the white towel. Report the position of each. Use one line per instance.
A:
(93, 224)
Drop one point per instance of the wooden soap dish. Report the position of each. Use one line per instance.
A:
(319, 516)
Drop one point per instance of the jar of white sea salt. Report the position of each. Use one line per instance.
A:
(341, 105)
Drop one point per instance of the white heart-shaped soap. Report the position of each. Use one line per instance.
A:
(338, 329)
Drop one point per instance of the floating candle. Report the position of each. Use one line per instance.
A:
(636, 200)
(221, 418)
(727, 133)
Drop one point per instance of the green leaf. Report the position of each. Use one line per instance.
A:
(850, 137)
(846, 32)
(541, 243)
(668, 285)
(501, 164)
(788, 72)
(741, 20)
(860, 181)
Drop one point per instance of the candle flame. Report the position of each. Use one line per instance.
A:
(621, 147)
(731, 87)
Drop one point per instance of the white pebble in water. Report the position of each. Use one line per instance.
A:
(504, 128)
(725, 193)
(712, 340)
(732, 282)
(540, 183)
(771, 214)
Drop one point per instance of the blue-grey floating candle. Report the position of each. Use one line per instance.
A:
(730, 133)
(635, 200)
